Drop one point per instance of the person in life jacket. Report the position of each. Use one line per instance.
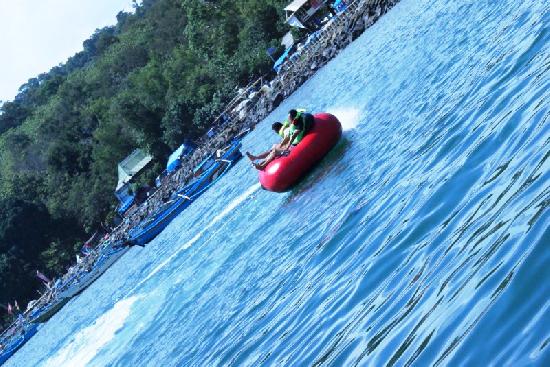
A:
(276, 150)
(300, 123)
(292, 131)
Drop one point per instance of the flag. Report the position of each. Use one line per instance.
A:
(42, 277)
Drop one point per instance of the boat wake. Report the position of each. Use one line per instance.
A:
(86, 344)
(228, 209)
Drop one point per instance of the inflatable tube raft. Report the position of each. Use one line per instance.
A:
(283, 172)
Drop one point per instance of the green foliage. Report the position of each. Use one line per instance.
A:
(20, 246)
(13, 115)
(157, 77)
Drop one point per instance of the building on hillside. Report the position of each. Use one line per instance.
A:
(128, 170)
(308, 14)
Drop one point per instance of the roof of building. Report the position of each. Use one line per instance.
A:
(295, 5)
(131, 165)
(287, 40)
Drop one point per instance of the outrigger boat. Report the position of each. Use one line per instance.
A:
(210, 170)
(46, 312)
(104, 262)
(63, 291)
(11, 344)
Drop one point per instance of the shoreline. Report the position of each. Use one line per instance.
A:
(258, 99)
(251, 105)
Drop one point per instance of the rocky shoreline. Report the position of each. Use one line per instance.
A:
(256, 101)
(252, 104)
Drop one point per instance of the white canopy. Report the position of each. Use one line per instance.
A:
(131, 165)
(288, 40)
(294, 22)
(295, 5)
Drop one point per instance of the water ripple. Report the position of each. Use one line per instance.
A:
(422, 239)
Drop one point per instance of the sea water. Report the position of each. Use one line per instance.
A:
(421, 239)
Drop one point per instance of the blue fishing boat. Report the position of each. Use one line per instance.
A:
(208, 172)
(83, 280)
(64, 290)
(11, 344)
(44, 313)
(155, 223)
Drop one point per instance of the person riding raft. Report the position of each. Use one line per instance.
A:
(292, 130)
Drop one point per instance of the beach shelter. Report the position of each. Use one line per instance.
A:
(131, 165)
(299, 12)
(127, 170)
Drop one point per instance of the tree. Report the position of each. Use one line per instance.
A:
(12, 114)
(20, 246)
(159, 76)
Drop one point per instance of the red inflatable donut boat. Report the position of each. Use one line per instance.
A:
(283, 172)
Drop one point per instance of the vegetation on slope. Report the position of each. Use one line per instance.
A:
(156, 77)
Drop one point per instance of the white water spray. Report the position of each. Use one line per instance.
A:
(86, 344)
(349, 117)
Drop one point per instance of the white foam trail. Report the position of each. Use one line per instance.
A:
(86, 344)
(349, 117)
(236, 202)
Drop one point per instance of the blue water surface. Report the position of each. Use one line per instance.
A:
(422, 239)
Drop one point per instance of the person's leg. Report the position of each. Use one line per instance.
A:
(250, 156)
(264, 154)
(265, 162)
(259, 156)
(277, 151)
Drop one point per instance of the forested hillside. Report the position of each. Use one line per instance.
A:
(156, 77)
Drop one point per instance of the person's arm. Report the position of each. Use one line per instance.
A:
(291, 139)
(286, 141)
(298, 127)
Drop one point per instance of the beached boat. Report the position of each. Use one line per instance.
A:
(150, 227)
(46, 312)
(209, 171)
(83, 281)
(64, 289)
(11, 344)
